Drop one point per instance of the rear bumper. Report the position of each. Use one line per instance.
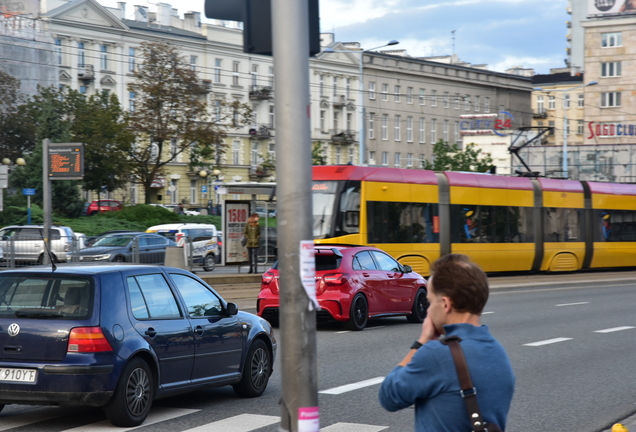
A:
(93, 399)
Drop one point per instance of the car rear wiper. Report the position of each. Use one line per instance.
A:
(37, 314)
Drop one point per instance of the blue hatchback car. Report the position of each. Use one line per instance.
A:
(119, 336)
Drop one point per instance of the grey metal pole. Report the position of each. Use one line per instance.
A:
(290, 21)
(46, 200)
(566, 174)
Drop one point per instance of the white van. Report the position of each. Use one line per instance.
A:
(204, 238)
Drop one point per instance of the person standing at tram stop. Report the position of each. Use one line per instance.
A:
(252, 233)
(427, 378)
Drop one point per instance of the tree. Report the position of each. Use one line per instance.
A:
(317, 157)
(171, 115)
(17, 135)
(448, 157)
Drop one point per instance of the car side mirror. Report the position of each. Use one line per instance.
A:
(407, 268)
(232, 309)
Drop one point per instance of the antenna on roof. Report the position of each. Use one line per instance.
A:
(453, 32)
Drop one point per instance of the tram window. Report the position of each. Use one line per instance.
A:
(348, 217)
(615, 225)
(491, 224)
(563, 225)
(395, 222)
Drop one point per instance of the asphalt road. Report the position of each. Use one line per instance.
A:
(570, 339)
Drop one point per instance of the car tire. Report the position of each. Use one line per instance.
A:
(133, 395)
(1, 407)
(420, 306)
(358, 314)
(256, 371)
(119, 258)
(209, 262)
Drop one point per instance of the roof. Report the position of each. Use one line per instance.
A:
(156, 28)
(557, 78)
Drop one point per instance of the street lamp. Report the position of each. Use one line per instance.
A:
(216, 173)
(565, 124)
(361, 132)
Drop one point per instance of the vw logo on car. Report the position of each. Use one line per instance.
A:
(14, 329)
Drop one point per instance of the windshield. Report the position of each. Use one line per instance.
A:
(343, 197)
(113, 241)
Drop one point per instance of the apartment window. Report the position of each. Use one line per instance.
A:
(82, 89)
(385, 127)
(372, 158)
(174, 196)
(422, 96)
(236, 152)
(396, 127)
(445, 130)
(566, 101)
(335, 86)
(422, 130)
(338, 152)
(254, 74)
(540, 105)
(397, 93)
(132, 59)
(173, 147)
(446, 100)
(371, 90)
(433, 98)
(271, 117)
(580, 127)
(321, 85)
(421, 160)
(385, 92)
(385, 158)
(551, 102)
(611, 69)
(193, 191)
(58, 51)
(371, 126)
(217, 110)
(254, 154)
(235, 73)
(348, 88)
(609, 40)
(397, 159)
(409, 129)
(131, 101)
(271, 150)
(501, 108)
(193, 63)
(467, 103)
(336, 121)
(409, 95)
(610, 99)
(476, 104)
(567, 127)
(456, 133)
(350, 155)
(581, 101)
(217, 70)
(457, 101)
(487, 105)
(323, 119)
(409, 160)
(433, 131)
(349, 122)
(81, 54)
(271, 76)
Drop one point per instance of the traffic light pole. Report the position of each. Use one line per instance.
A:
(299, 410)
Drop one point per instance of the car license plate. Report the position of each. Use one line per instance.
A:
(17, 375)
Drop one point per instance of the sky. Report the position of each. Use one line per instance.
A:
(499, 33)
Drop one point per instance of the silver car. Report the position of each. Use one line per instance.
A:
(24, 244)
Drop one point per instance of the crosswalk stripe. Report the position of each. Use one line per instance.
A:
(353, 427)
(614, 329)
(156, 415)
(351, 387)
(239, 423)
(547, 342)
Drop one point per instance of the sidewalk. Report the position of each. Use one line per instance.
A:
(629, 423)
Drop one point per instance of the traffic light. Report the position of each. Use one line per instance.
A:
(256, 16)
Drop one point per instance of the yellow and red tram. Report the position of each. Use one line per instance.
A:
(503, 223)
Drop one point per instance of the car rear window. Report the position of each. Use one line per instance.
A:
(46, 297)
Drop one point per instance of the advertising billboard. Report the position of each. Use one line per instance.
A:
(611, 7)
(20, 7)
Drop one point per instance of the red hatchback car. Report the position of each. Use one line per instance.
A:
(353, 284)
(103, 206)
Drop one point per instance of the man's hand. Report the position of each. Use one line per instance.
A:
(428, 331)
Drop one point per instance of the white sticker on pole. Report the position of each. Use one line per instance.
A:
(309, 418)
(308, 269)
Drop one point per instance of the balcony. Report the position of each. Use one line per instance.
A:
(262, 132)
(539, 115)
(343, 138)
(260, 93)
(206, 84)
(339, 101)
(86, 72)
(257, 173)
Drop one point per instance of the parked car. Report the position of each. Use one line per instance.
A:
(119, 247)
(353, 284)
(204, 239)
(119, 336)
(90, 240)
(105, 205)
(172, 207)
(25, 243)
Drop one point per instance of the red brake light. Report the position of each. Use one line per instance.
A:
(335, 278)
(267, 277)
(88, 339)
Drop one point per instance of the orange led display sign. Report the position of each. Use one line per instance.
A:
(66, 161)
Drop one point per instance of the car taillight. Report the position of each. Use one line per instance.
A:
(88, 339)
(268, 277)
(335, 278)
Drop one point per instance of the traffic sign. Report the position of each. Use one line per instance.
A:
(204, 189)
(28, 191)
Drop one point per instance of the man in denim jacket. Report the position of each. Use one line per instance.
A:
(426, 377)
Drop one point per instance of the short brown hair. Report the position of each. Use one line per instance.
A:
(456, 277)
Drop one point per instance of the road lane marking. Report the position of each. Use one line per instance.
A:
(613, 329)
(547, 342)
(22, 419)
(487, 313)
(157, 415)
(239, 423)
(572, 304)
(353, 427)
(354, 386)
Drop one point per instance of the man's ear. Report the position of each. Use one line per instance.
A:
(447, 303)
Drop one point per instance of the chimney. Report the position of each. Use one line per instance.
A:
(164, 12)
(192, 19)
(122, 8)
(141, 13)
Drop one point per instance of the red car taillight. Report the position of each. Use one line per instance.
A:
(335, 278)
(88, 339)
(267, 277)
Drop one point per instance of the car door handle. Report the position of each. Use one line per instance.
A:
(151, 332)
(366, 274)
(198, 330)
(389, 275)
